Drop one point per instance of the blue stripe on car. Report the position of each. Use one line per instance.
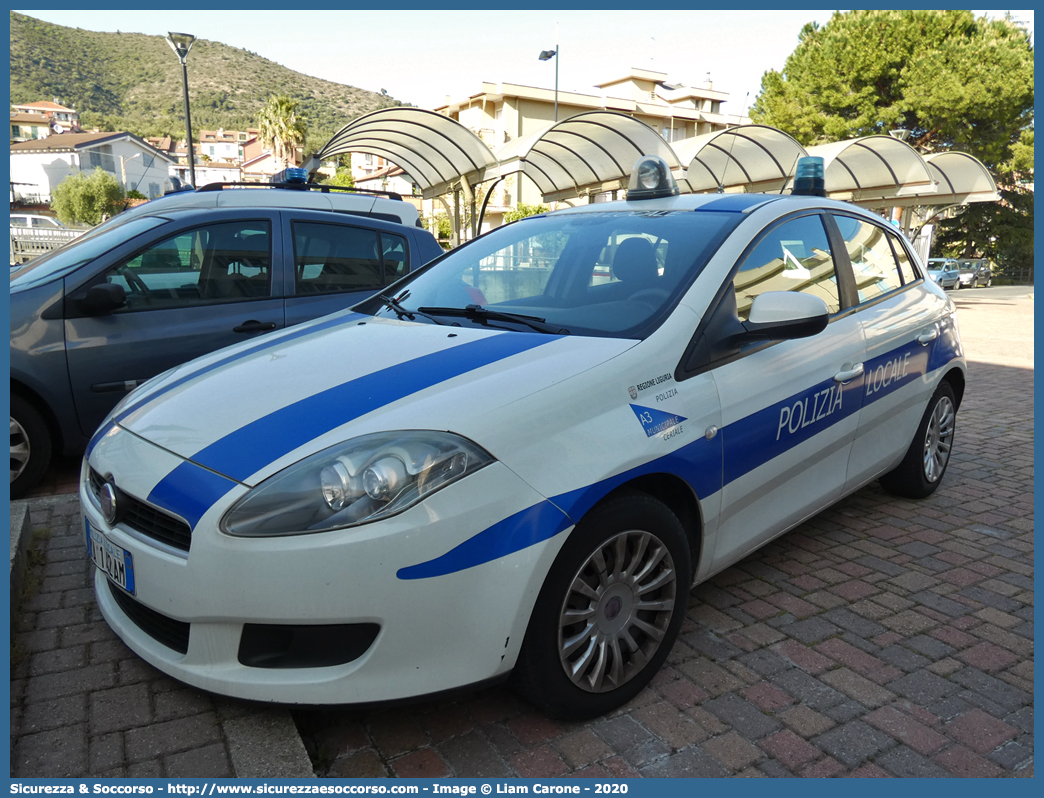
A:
(700, 463)
(252, 447)
(98, 435)
(519, 531)
(189, 491)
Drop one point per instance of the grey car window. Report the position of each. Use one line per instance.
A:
(82, 250)
(330, 258)
(873, 261)
(228, 262)
(794, 256)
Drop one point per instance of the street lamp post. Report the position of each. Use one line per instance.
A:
(547, 55)
(181, 43)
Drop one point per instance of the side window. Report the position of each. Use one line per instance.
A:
(795, 256)
(873, 261)
(330, 258)
(906, 268)
(207, 265)
(393, 249)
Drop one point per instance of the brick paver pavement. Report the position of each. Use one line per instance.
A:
(882, 638)
(82, 703)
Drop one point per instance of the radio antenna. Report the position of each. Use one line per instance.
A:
(732, 143)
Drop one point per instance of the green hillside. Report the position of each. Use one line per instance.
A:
(130, 81)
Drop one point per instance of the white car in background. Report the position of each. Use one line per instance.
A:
(511, 465)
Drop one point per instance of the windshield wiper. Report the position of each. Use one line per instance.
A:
(402, 312)
(483, 315)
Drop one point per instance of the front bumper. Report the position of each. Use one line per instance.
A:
(436, 633)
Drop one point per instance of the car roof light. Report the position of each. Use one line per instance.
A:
(291, 174)
(651, 178)
(808, 177)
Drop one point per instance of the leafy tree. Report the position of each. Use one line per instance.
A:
(953, 80)
(87, 198)
(282, 127)
(1002, 232)
(521, 211)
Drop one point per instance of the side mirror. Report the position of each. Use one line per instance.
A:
(781, 315)
(103, 298)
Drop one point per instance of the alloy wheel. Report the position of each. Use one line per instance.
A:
(19, 450)
(938, 439)
(616, 611)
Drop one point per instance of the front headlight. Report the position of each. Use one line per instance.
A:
(361, 480)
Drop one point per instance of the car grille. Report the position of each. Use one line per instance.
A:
(173, 634)
(146, 519)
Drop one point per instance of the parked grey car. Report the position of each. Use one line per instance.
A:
(975, 272)
(945, 272)
(152, 289)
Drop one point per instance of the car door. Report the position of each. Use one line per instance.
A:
(901, 323)
(335, 264)
(789, 408)
(194, 291)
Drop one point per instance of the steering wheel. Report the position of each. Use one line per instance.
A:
(134, 282)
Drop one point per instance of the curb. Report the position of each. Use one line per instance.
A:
(266, 745)
(20, 536)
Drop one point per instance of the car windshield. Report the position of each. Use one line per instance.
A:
(90, 245)
(612, 273)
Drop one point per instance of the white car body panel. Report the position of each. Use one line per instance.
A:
(760, 442)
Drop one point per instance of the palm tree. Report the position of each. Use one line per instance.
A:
(282, 128)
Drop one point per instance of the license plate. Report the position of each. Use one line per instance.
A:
(114, 561)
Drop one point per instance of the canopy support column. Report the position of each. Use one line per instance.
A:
(485, 202)
(455, 238)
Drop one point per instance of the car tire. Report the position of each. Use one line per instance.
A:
(989, 282)
(587, 618)
(957, 286)
(922, 469)
(30, 447)
(974, 284)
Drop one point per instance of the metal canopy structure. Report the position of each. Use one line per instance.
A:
(873, 170)
(961, 178)
(586, 154)
(436, 151)
(754, 158)
(594, 152)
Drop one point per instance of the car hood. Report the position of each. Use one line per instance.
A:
(248, 411)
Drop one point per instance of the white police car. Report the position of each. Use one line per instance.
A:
(522, 460)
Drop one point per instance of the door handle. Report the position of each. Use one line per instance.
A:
(848, 372)
(928, 336)
(254, 326)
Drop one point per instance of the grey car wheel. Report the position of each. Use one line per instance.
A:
(20, 449)
(609, 611)
(616, 612)
(30, 447)
(938, 439)
(923, 466)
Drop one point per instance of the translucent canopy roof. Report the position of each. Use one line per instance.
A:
(585, 154)
(756, 158)
(435, 150)
(960, 178)
(873, 168)
(594, 152)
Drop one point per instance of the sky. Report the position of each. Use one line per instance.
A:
(420, 57)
